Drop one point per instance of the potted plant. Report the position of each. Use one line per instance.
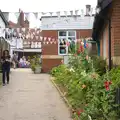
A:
(35, 64)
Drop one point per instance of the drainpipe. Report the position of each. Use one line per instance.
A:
(109, 27)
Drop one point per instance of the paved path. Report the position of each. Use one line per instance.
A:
(31, 97)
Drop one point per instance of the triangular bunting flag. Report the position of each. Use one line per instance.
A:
(49, 38)
(17, 14)
(27, 16)
(41, 38)
(51, 13)
(45, 38)
(65, 12)
(36, 15)
(58, 14)
(71, 12)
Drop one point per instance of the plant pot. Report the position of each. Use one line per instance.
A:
(37, 70)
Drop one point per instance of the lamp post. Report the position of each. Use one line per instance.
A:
(109, 36)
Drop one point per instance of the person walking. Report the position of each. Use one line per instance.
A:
(5, 60)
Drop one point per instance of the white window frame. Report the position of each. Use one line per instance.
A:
(67, 36)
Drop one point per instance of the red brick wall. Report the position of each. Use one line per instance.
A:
(115, 30)
(83, 33)
(48, 64)
(52, 49)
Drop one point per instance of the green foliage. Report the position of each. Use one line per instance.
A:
(114, 75)
(34, 62)
(99, 64)
(91, 94)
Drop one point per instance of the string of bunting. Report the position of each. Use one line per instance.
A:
(29, 35)
(39, 15)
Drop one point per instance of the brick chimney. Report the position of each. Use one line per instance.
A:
(21, 21)
(88, 9)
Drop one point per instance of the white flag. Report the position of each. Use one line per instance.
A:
(45, 38)
(51, 13)
(36, 15)
(41, 38)
(27, 16)
(65, 12)
(58, 14)
(71, 12)
(49, 39)
(17, 14)
(76, 12)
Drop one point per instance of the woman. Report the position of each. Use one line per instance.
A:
(5, 59)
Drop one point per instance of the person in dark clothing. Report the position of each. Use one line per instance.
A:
(5, 59)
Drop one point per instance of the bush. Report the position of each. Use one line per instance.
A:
(34, 62)
(91, 94)
(99, 64)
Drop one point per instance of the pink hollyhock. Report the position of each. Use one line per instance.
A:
(87, 57)
(75, 55)
(87, 45)
(68, 43)
(62, 61)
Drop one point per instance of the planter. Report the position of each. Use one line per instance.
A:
(37, 70)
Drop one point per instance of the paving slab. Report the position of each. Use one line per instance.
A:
(31, 97)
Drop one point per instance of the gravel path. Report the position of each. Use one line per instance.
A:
(31, 97)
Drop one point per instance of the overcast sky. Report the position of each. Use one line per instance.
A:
(44, 5)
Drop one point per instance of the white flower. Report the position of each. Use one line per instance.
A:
(82, 43)
(83, 73)
(72, 70)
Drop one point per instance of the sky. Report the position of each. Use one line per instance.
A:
(43, 5)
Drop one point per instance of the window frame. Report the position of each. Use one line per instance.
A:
(66, 37)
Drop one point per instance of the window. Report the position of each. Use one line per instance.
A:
(64, 37)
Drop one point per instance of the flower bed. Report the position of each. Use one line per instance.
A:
(91, 95)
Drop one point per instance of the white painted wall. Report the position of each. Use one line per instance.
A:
(55, 23)
(2, 26)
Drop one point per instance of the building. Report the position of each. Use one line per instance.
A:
(63, 28)
(3, 41)
(22, 42)
(102, 32)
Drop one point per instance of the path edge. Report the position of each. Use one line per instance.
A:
(62, 95)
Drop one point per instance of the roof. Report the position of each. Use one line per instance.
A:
(99, 22)
(3, 17)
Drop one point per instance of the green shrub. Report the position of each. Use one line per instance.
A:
(99, 65)
(114, 75)
(34, 62)
(90, 89)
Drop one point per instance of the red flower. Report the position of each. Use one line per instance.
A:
(79, 112)
(81, 48)
(86, 45)
(78, 51)
(75, 55)
(107, 84)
